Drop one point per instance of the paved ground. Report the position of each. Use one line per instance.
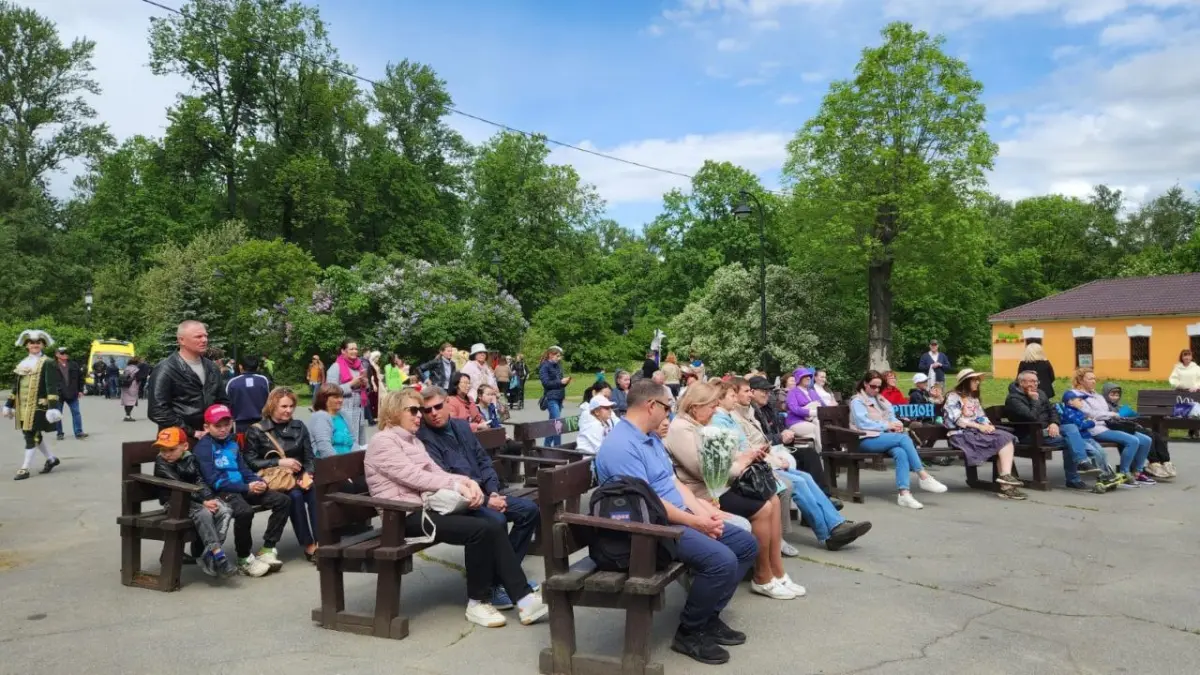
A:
(1064, 583)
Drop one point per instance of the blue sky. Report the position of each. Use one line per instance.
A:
(1079, 91)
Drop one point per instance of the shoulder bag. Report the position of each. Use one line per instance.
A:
(276, 477)
(757, 481)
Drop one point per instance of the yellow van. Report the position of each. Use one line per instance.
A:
(118, 350)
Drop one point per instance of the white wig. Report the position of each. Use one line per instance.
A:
(34, 335)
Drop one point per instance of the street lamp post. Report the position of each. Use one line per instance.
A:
(219, 275)
(87, 302)
(741, 211)
(496, 269)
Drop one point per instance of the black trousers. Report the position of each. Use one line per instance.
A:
(489, 555)
(243, 517)
(1158, 447)
(809, 461)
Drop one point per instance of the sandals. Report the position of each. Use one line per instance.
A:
(22, 474)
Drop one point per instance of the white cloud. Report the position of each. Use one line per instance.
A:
(751, 81)
(756, 151)
(812, 76)
(765, 24)
(655, 30)
(1137, 30)
(1065, 52)
(730, 45)
(788, 99)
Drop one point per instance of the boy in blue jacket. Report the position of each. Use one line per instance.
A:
(1072, 413)
(223, 468)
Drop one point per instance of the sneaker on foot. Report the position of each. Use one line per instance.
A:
(59, 437)
(786, 581)
(1156, 470)
(253, 567)
(1088, 467)
(22, 474)
(788, 550)
(720, 632)
(534, 611)
(500, 599)
(1077, 485)
(772, 589)
(225, 566)
(1169, 467)
(485, 615)
(1144, 478)
(80, 437)
(1009, 479)
(1129, 480)
(699, 646)
(207, 564)
(267, 555)
(931, 484)
(50, 464)
(907, 500)
(845, 533)
(1011, 493)
(837, 503)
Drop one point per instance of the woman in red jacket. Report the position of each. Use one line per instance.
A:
(891, 392)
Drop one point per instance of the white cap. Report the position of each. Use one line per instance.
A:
(556, 348)
(919, 378)
(600, 401)
(476, 348)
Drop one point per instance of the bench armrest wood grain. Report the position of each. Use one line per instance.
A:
(663, 531)
(347, 499)
(164, 482)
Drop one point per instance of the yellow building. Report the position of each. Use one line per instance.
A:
(1127, 329)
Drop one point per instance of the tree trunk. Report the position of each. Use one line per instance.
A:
(879, 324)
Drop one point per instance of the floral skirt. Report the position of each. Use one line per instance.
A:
(978, 446)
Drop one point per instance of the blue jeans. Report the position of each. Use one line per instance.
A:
(1075, 452)
(1134, 448)
(813, 503)
(76, 417)
(717, 566)
(303, 514)
(524, 515)
(555, 410)
(901, 449)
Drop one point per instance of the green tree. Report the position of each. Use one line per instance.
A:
(888, 154)
(586, 323)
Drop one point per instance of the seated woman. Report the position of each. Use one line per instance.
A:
(872, 414)
(973, 433)
(460, 404)
(623, 382)
(328, 429)
(594, 424)
(802, 404)
(1135, 447)
(398, 467)
(490, 410)
(695, 411)
(891, 389)
(280, 434)
(820, 384)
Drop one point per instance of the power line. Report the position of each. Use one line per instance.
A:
(462, 113)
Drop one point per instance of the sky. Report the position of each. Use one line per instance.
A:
(1079, 92)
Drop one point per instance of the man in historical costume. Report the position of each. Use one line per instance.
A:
(34, 399)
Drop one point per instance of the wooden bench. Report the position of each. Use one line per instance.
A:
(1158, 405)
(639, 592)
(169, 524)
(840, 449)
(528, 434)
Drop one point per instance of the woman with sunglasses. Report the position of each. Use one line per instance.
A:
(398, 467)
(871, 414)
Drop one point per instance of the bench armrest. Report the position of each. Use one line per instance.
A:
(842, 434)
(673, 532)
(164, 483)
(544, 461)
(347, 499)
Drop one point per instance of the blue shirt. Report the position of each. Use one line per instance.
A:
(626, 451)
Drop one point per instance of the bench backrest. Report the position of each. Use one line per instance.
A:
(832, 415)
(559, 490)
(133, 455)
(332, 474)
(1161, 402)
(995, 413)
(529, 431)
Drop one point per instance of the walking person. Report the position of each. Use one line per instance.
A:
(315, 376)
(100, 378)
(555, 387)
(113, 377)
(516, 391)
(71, 378)
(347, 372)
(34, 397)
(130, 386)
(503, 373)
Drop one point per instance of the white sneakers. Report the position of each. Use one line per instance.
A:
(787, 550)
(931, 484)
(486, 615)
(253, 567)
(908, 501)
(792, 586)
(268, 556)
(774, 589)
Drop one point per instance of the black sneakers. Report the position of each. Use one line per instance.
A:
(845, 533)
(722, 634)
(699, 646)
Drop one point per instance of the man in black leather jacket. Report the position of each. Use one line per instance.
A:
(441, 370)
(186, 383)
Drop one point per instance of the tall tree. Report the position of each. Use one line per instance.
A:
(887, 153)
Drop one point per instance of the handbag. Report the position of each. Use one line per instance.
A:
(757, 481)
(444, 502)
(276, 477)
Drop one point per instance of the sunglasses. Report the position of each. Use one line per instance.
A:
(413, 409)
(432, 408)
(874, 386)
(665, 406)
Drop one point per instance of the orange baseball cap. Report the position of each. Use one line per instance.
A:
(171, 437)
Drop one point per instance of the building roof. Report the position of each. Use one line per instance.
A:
(1134, 296)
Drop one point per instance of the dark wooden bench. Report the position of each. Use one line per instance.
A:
(169, 524)
(840, 449)
(1158, 405)
(639, 592)
(528, 434)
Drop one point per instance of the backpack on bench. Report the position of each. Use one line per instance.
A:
(631, 500)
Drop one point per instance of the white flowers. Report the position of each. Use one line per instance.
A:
(717, 448)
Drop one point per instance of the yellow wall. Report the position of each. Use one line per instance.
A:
(1110, 346)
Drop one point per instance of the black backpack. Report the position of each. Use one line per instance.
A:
(629, 499)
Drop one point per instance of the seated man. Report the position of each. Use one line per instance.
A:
(453, 446)
(1027, 403)
(807, 458)
(717, 555)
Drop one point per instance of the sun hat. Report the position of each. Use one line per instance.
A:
(555, 348)
(476, 348)
(600, 401)
(171, 437)
(919, 378)
(967, 374)
(216, 413)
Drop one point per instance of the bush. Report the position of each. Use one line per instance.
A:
(78, 342)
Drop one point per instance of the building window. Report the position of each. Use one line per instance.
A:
(1139, 353)
(1083, 352)
(1033, 340)
(1194, 346)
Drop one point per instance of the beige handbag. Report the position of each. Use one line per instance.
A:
(276, 477)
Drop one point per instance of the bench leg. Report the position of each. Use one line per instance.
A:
(1040, 479)
(131, 555)
(333, 590)
(638, 626)
(388, 622)
(559, 658)
(852, 482)
(172, 562)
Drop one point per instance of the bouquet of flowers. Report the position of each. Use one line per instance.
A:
(717, 448)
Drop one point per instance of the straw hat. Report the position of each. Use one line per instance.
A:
(967, 374)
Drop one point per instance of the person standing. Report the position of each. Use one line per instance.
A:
(247, 394)
(100, 377)
(71, 377)
(477, 369)
(1185, 377)
(934, 363)
(1034, 360)
(130, 385)
(516, 392)
(441, 369)
(315, 375)
(555, 387)
(395, 373)
(112, 378)
(34, 399)
(503, 374)
(186, 383)
(348, 373)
